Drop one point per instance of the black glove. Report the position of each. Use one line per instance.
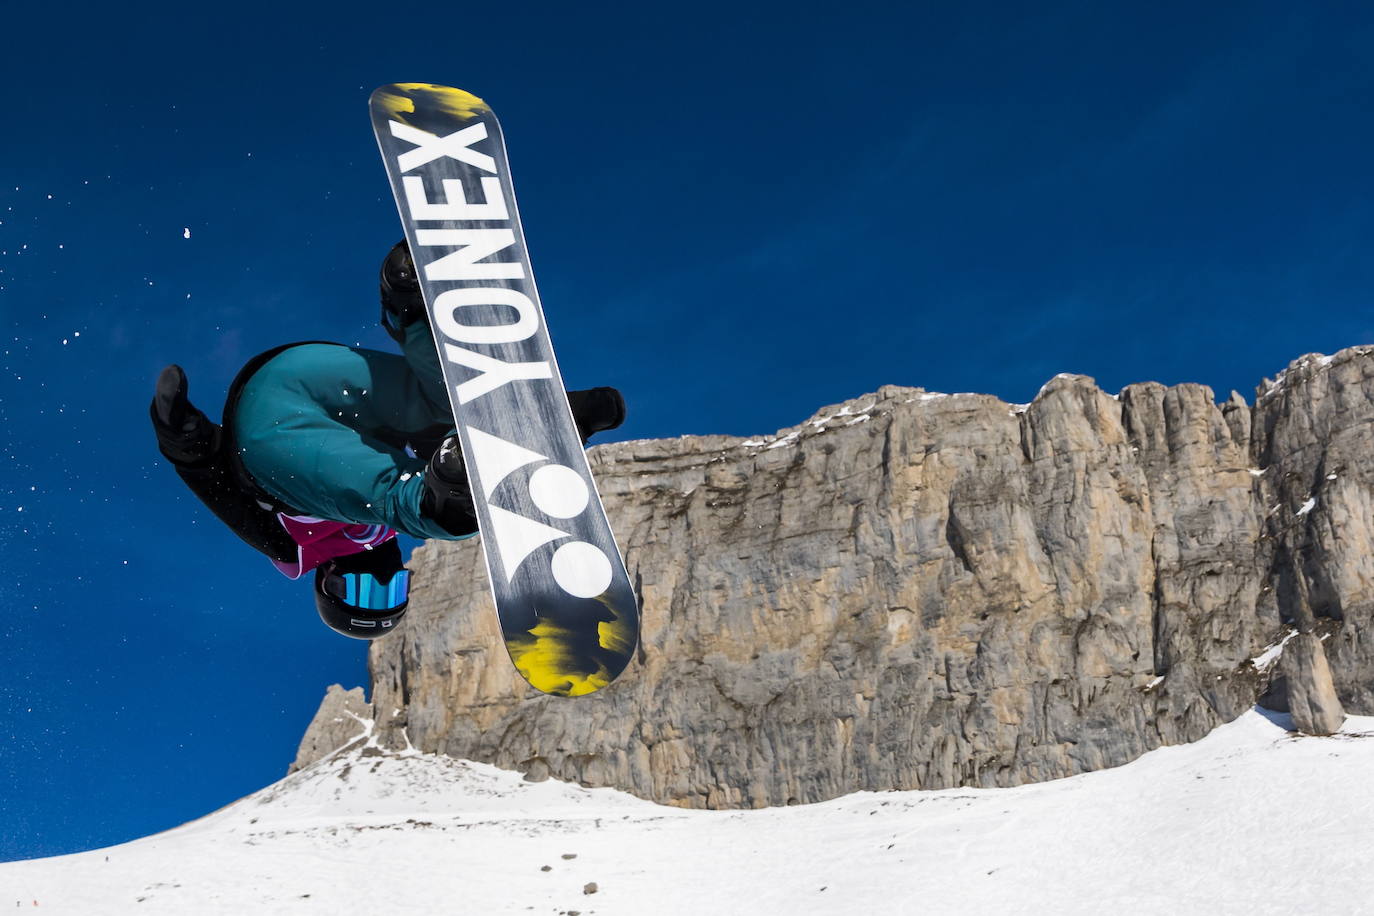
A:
(185, 435)
(402, 302)
(595, 410)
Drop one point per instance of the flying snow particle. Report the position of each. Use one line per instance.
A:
(186, 233)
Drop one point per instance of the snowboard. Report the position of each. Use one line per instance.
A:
(568, 612)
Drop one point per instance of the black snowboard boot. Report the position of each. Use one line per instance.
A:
(184, 434)
(595, 410)
(448, 499)
(402, 302)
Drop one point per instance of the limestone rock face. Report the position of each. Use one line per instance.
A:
(913, 590)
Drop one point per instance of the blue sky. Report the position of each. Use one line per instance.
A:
(737, 213)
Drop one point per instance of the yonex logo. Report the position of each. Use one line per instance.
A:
(460, 276)
(430, 146)
(581, 569)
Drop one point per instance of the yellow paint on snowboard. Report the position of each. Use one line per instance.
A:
(401, 99)
(546, 659)
(616, 635)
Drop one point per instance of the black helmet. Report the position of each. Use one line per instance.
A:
(364, 595)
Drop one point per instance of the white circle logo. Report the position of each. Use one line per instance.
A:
(581, 570)
(559, 491)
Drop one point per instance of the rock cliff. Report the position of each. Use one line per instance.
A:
(916, 590)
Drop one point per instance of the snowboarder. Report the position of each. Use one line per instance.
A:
(326, 451)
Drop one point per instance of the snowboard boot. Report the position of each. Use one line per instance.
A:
(185, 436)
(448, 499)
(595, 410)
(402, 302)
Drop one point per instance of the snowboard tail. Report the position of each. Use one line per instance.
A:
(568, 612)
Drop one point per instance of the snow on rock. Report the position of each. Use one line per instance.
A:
(1063, 376)
(1307, 366)
(1265, 660)
(1185, 829)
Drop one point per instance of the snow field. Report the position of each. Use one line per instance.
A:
(1250, 820)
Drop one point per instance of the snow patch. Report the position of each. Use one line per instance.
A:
(1265, 660)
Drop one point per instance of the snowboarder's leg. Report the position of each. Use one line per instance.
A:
(322, 427)
(195, 447)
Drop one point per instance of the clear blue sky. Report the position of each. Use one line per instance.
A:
(737, 213)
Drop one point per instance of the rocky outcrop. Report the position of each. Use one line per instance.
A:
(340, 720)
(1312, 696)
(913, 590)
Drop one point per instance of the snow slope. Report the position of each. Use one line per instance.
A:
(1251, 820)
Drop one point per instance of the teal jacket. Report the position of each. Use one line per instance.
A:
(323, 429)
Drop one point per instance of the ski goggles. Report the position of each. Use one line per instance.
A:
(366, 592)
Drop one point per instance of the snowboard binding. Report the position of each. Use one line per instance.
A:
(448, 498)
(402, 302)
